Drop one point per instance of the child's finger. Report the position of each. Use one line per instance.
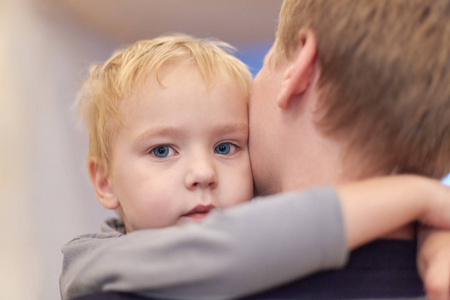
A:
(437, 277)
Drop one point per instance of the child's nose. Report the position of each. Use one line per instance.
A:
(201, 175)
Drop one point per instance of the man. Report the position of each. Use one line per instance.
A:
(350, 90)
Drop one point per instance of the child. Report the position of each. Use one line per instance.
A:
(168, 129)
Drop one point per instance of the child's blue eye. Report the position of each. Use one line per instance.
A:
(161, 151)
(223, 148)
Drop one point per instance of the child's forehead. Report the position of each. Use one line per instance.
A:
(184, 77)
(177, 73)
(182, 73)
(181, 91)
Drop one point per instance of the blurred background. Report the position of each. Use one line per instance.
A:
(46, 47)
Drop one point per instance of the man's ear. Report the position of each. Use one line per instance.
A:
(298, 75)
(102, 186)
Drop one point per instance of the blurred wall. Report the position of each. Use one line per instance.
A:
(45, 195)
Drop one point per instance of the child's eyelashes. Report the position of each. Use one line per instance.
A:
(163, 151)
(167, 151)
(226, 148)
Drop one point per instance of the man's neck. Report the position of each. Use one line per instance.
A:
(324, 160)
(333, 169)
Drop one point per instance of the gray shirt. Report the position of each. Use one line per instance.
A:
(233, 252)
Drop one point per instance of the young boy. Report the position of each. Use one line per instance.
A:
(168, 130)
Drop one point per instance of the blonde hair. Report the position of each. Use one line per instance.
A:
(385, 77)
(110, 84)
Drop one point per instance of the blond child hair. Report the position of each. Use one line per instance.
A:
(111, 84)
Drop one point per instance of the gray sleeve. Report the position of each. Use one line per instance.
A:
(234, 252)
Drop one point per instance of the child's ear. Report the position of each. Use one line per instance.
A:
(299, 74)
(102, 186)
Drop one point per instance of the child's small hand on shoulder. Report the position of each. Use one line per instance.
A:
(433, 262)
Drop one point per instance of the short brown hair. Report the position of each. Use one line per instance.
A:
(110, 84)
(385, 75)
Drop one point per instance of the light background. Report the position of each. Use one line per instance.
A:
(446, 180)
(46, 47)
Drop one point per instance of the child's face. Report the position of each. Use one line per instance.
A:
(183, 150)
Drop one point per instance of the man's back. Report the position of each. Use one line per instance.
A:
(383, 269)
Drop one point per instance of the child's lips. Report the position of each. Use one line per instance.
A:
(199, 212)
(197, 216)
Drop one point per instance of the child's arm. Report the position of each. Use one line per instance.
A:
(391, 202)
(251, 247)
(434, 262)
(233, 252)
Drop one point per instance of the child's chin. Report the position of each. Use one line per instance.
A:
(192, 218)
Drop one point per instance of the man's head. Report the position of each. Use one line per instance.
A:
(168, 127)
(358, 87)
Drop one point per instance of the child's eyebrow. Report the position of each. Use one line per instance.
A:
(241, 127)
(220, 129)
(157, 131)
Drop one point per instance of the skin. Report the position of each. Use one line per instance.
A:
(182, 147)
(286, 94)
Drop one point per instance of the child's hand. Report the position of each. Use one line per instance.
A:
(433, 262)
(437, 213)
(377, 206)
